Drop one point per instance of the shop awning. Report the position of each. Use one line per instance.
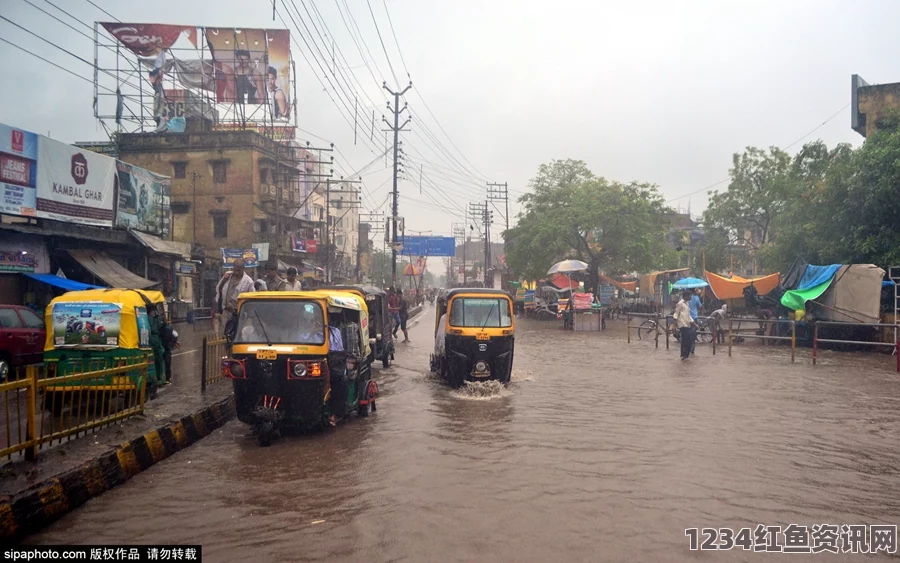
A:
(156, 244)
(109, 270)
(62, 283)
(625, 285)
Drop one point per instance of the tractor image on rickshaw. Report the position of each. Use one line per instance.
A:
(96, 330)
(300, 360)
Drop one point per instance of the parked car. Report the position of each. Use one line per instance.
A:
(22, 337)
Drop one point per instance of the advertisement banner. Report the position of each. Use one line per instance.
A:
(144, 200)
(428, 246)
(143, 325)
(74, 185)
(148, 39)
(18, 171)
(86, 323)
(250, 256)
(241, 68)
(299, 244)
(278, 78)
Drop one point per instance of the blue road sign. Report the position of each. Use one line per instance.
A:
(428, 246)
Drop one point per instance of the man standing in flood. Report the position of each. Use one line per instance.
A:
(685, 324)
(231, 285)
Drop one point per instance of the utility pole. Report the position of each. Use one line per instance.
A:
(194, 176)
(396, 128)
(497, 192)
(480, 211)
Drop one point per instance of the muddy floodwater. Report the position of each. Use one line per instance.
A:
(597, 451)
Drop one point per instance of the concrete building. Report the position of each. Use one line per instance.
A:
(872, 104)
(344, 232)
(230, 189)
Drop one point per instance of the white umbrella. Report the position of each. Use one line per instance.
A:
(567, 267)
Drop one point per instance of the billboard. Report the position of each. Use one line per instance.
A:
(18, 171)
(148, 39)
(250, 256)
(143, 200)
(428, 246)
(74, 185)
(299, 244)
(252, 66)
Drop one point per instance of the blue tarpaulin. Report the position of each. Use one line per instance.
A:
(817, 275)
(63, 283)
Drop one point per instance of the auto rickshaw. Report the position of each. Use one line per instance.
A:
(474, 336)
(94, 330)
(381, 336)
(298, 358)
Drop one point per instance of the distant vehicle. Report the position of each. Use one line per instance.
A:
(22, 337)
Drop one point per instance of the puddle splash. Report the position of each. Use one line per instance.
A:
(482, 390)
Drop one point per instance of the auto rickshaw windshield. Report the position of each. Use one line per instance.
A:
(281, 322)
(480, 312)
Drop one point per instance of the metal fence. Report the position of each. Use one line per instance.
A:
(214, 349)
(895, 345)
(40, 408)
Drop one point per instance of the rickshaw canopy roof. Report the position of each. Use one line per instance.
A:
(131, 297)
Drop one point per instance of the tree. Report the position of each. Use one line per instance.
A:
(571, 213)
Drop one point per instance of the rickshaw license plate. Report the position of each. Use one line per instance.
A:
(482, 337)
(266, 354)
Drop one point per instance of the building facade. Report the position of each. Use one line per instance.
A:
(870, 105)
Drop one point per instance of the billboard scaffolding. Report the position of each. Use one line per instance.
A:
(150, 77)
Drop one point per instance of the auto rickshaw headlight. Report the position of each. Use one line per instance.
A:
(299, 369)
(480, 366)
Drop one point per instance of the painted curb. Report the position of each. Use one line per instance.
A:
(35, 508)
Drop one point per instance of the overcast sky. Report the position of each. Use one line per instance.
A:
(662, 92)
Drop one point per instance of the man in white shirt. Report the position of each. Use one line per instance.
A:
(685, 323)
(719, 317)
(292, 283)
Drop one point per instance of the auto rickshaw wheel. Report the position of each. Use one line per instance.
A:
(363, 411)
(386, 360)
(265, 432)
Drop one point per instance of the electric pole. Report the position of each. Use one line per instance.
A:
(479, 211)
(497, 192)
(328, 220)
(396, 128)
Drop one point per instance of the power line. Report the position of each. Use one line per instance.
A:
(397, 43)
(378, 31)
(104, 11)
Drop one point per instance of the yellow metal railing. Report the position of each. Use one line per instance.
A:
(40, 410)
(215, 347)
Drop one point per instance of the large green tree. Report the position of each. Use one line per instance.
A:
(571, 213)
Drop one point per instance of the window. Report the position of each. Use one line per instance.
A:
(220, 226)
(181, 207)
(339, 222)
(336, 204)
(487, 312)
(179, 169)
(31, 319)
(9, 319)
(339, 240)
(281, 322)
(263, 175)
(220, 172)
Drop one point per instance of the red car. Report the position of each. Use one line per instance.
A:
(21, 338)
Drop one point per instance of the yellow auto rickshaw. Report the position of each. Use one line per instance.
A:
(300, 359)
(94, 330)
(474, 336)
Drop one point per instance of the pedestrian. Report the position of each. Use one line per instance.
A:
(685, 324)
(231, 285)
(169, 337)
(393, 309)
(718, 317)
(159, 365)
(404, 316)
(695, 304)
(273, 280)
(292, 283)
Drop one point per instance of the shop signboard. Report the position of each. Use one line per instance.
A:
(606, 293)
(186, 268)
(74, 185)
(249, 255)
(299, 244)
(17, 262)
(87, 323)
(18, 171)
(144, 200)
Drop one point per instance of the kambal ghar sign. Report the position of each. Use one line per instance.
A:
(74, 185)
(87, 323)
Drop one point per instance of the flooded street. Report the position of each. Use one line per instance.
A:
(598, 451)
